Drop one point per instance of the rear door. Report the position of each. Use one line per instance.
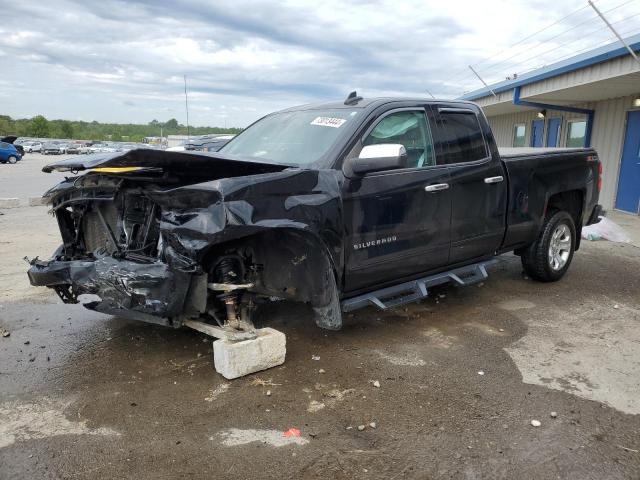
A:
(397, 222)
(478, 184)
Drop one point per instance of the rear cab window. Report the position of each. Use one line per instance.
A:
(461, 136)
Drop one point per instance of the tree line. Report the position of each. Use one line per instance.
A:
(40, 127)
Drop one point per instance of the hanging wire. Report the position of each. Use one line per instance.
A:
(609, 38)
(464, 70)
(539, 43)
(542, 42)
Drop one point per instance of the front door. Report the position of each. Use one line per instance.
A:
(553, 131)
(537, 133)
(395, 228)
(628, 198)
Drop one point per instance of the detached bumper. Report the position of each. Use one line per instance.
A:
(151, 292)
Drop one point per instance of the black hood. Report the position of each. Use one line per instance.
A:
(181, 164)
(9, 139)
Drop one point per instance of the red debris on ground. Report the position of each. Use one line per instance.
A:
(292, 432)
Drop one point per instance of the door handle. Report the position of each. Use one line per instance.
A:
(497, 179)
(436, 187)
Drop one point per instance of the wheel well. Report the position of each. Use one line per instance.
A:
(572, 203)
(281, 262)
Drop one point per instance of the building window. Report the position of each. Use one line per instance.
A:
(576, 133)
(519, 135)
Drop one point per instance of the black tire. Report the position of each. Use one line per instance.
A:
(545, 262)
(12, 159)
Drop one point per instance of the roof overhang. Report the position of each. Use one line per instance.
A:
(569, 94)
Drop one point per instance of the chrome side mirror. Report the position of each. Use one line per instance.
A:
(376, 158)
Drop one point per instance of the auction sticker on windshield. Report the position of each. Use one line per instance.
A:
(328, 122)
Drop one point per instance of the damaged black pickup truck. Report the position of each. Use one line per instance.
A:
(341, 205)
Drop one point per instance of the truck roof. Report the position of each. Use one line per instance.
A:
(370, 103)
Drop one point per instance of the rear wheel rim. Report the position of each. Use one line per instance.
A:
(12, 159)
(560, 247)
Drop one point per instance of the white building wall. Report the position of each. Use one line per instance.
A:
(607, 137)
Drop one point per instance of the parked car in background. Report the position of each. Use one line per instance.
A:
(102, 148)
(31, 147)
(202, 143)
(127, 147)
(207, 143)
(11, 140)
(53, 148)
(84, 149)
(9, 153)
(72, 148)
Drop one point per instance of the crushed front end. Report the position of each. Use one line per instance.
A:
(171, 237)
(112, 248)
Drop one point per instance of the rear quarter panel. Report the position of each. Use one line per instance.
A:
(533, 179)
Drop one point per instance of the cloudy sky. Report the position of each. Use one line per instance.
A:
(124, 61)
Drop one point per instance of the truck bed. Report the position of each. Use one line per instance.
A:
(535, 175)
(515, 152)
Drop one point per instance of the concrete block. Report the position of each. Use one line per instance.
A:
(9, 202)
(37, 201)
(237, 359)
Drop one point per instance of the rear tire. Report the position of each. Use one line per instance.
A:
(549, 258)
(12, 159)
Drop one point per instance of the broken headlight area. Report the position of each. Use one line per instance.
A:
(124, 226)
(112, 248)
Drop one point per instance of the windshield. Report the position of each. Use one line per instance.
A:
(292, 138)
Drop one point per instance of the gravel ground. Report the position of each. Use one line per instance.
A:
(461, 376)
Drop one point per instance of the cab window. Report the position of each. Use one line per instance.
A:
(407, 128)
(462, 137)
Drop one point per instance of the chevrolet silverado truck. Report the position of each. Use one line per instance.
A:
(340, 205)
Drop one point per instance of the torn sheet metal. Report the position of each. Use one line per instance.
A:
(139, 239)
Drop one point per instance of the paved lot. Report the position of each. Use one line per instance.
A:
(25, 178)
(84, 395)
